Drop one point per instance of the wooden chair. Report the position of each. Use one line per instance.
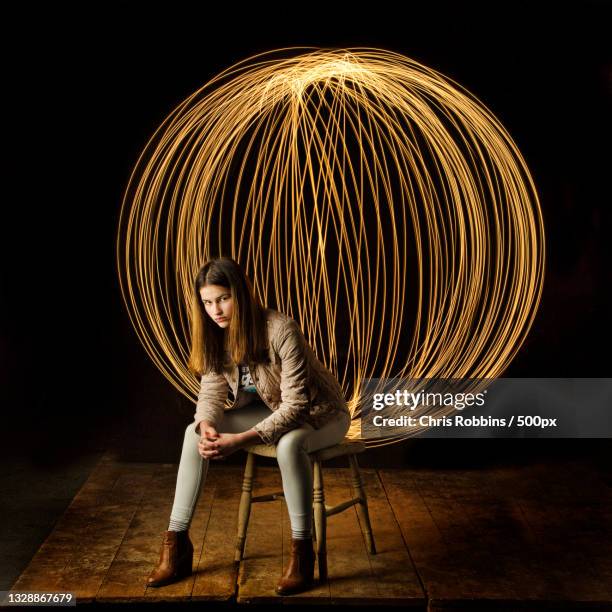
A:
(321, 510)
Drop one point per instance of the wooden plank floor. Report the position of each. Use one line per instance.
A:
(530, 538)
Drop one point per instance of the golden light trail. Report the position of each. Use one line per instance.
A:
(371, 198)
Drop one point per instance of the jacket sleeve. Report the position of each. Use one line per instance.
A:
(211, 399)
(295, 400)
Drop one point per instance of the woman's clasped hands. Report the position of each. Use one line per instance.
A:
(214, 445)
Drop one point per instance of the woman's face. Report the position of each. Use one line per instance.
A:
(219, 304)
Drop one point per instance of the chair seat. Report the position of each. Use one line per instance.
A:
(346, 447)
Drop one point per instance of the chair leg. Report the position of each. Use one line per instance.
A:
(244, 511)
(362, 506)
(314, 529)
(320, 519)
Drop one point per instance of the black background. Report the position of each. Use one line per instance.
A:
(86, 93)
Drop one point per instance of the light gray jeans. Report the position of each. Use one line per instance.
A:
(292, 450)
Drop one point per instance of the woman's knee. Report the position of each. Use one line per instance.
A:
(190, 431)
(290, 443)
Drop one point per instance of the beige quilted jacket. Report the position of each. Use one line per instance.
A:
(295, 385)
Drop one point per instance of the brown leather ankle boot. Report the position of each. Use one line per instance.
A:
(299, 574)
(175, 559)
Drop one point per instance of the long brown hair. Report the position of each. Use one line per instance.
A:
(245, 338)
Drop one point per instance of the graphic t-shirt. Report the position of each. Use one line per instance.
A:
(245, 381)
(247, 391)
